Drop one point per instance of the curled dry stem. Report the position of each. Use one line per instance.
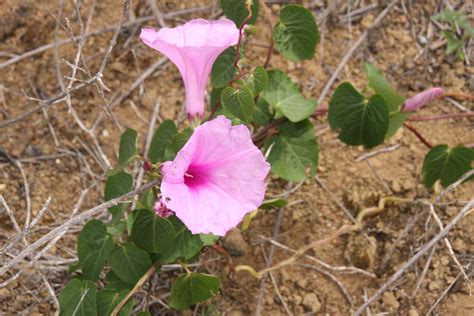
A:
(344, 229)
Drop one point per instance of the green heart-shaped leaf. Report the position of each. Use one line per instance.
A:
(192, 288)
(296, 35)
(361, 121)
(93, 247)
(293, 150)
(223, 69)
(117, 185)
(78, 298)
(239, 102)
(127, 150)
(237, 11)
(129, 262)
(285, 97)
(161, 143)
(151, 232)
(446, 164)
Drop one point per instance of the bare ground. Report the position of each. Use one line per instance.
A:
(405, 46)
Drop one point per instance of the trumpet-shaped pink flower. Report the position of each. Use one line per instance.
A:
(193, 48)
(420, 99)
(216, 178)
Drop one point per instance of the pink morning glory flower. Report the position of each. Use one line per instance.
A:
(193, 48)
(216, 178)
(420, 99)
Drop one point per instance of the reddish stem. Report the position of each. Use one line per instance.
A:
(458, 95)
(418, 135)
(236, 62)
(241, 29)
(269, 55)
(270, 24)
(260, 135)
(226, 255)
(320, 111)
(418, 118)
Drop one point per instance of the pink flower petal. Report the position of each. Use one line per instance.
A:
(193, 48)
(216, 178)
(420, 99)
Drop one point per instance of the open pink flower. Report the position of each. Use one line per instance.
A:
(420, 99)
(193, 48)
(216, 178)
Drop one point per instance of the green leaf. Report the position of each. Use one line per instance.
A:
(223, 69)
(115, 283)
(127, 151)
(78, 298)
(93, 247)
(446, 164)
(208, 239)
(108, 299)
(185, 244)
(192, 288)
(215, 97)
(179, 140)
(257, 80)
(361, 121)
(381, 86)
(117, 185)
(455, 44)
(285, 96)
(116, 228)
(393, 100)
(273, 203)
(239, 102)
(161, 143)
(128, 146)
(237, 12)
(293, 150)
(296, 35)
(131, 218)
(144, 313)
(151, 232)
(453, 18)
(73, 267)
(146, 200)
(129, 262)
(261, 113)
(395, 122)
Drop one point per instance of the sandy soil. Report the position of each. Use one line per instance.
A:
(388, 240)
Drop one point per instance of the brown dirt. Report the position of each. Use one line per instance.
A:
(395, 235)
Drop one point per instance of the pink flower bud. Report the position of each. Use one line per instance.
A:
(420, 99)
(147, 165)
(161, 210)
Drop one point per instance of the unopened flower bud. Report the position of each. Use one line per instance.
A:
(161, 210)
(147, 165)
(420, 99)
